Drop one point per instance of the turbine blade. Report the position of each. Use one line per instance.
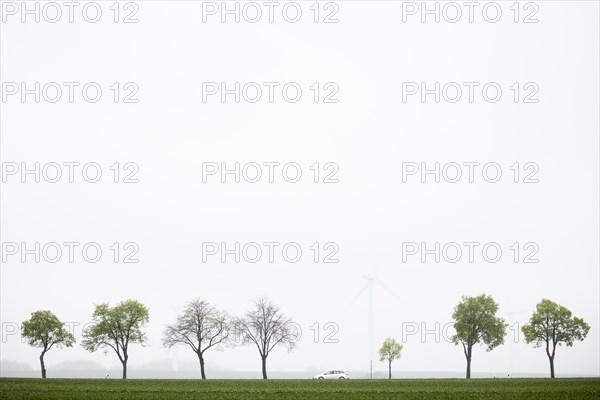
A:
(361, 292)
(389, 290)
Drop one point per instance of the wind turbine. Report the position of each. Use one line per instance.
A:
(371, 280)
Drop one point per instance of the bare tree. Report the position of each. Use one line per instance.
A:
(267, 327)
(200, 326)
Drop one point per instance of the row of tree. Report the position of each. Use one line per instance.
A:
(475, 322)
(201, 326)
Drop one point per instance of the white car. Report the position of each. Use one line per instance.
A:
(332, 375)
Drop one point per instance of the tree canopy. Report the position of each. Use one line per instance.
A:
(475, 322)
(390, 351)
(200, 326)
(553, 325)
(45, 330)
(116, 328)
(266, 327)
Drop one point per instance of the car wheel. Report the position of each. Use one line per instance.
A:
(321, 377)
(341, 377)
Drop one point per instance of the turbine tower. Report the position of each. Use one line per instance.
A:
(369, 285)
(514, 334)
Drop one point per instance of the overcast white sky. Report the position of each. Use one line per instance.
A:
(369, 133)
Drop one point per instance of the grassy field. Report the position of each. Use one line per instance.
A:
(413, 389)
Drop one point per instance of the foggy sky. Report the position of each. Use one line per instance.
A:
(369, 134)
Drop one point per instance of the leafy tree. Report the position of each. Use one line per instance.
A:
(45, 330)
(266, 327)
(390, 351)
(200, 326)
(552, 325)
(116, 328)
(475, 322)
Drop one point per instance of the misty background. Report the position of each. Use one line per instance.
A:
(369, 213)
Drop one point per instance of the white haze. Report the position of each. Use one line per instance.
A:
(369, 213)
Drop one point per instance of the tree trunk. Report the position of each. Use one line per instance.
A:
(42, 365)
(264, 367)
(124, 369)
(550, 357)
(390, 369)
(469, 362)
(201, 359)
(468, 369)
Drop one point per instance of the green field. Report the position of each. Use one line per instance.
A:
(513, 389)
